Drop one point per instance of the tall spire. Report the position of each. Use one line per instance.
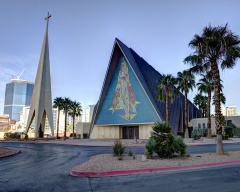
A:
(41, 104)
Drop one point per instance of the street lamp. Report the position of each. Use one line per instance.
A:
(226, 115)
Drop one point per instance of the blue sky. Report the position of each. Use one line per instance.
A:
(82, 33)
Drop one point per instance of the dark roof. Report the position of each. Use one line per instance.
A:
(148, 78)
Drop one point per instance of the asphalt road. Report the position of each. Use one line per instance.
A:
(45, 167)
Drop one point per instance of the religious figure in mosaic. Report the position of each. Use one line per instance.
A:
(123, 96)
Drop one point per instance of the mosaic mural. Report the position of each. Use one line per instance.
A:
(124, 97)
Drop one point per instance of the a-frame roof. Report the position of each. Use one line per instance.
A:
(147, 77)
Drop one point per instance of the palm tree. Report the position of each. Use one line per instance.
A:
(222, 99)
(57, 103)
(75, 111)
(166, 89)
(216, 46)
(206, 85)
(200, 101)
(66, 107)
(185, 82)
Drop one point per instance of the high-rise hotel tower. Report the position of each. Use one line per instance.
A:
(18, 94)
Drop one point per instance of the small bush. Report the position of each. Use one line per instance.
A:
(197, 133)
(11, 136)
(228, 131)
(180, 146)
(150, 148)
(118, 148)
(134, 157)
(236, 132)
(26, 137)
(180, 133)
(164, 143)
(72, 135)
(224, 137)
(214, 135)
(130, 153)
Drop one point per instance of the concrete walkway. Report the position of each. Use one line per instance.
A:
(127, 142)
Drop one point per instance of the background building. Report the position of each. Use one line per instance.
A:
(24, 116)
(230, 111)
(18, 94)
(4, 123)
(89, 113)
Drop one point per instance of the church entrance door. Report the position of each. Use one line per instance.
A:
(128, 132)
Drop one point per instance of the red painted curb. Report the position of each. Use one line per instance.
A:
(73, 172)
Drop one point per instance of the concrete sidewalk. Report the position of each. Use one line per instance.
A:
(126, 142)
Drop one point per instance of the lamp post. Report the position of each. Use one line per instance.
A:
(226, 115)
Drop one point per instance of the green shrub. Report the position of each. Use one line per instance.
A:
(26, 137)
(134, 157)
(180, 133)
(6, 136)
(72, 135)
(229, 129)
(118, 148)
(197, 133)
(11, 136)
(224, 137)
(150, 148)
(163, 142)
(236, 132)
(130, 153)
(180, 146)
(214, 135)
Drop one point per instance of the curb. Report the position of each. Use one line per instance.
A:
(89, 145)
(17, 152)
(109, 173)
(109, 145)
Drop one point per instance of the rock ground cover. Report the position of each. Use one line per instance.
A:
(7, 152)
(106, 162)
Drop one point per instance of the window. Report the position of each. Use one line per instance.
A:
(199, 125)
(203, 125)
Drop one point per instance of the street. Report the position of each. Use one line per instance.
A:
(45, 167)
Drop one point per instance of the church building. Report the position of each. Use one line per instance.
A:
(128, 105)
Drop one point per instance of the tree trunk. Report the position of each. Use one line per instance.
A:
(65, 126)
(58, 122)
(186, 116)
(216, 78)
(219, 150)
(209, 135)
(167, 107)
(73, 126)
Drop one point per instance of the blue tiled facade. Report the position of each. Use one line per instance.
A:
(108, 115)
(17, 95)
